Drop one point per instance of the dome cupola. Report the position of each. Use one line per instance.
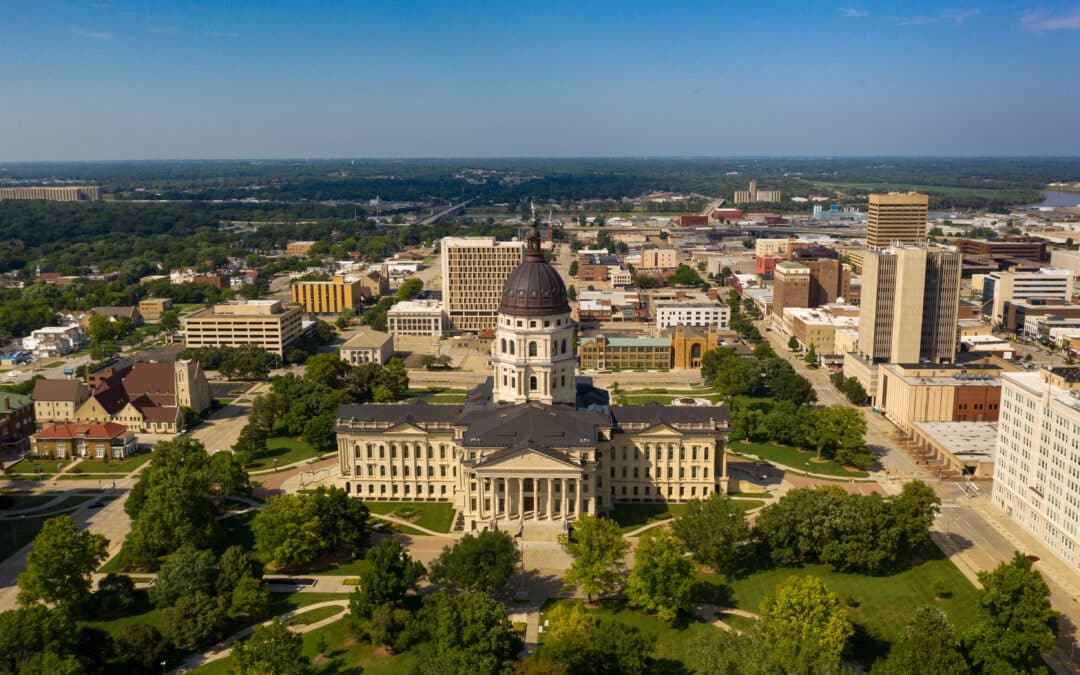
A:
(534, 288)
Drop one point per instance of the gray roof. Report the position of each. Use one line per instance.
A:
(654, 413)
(541, 425)
(397, 413)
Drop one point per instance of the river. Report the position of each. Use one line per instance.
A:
(1052, 198)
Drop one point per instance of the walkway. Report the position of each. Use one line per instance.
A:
(708, 614)
(225, 647)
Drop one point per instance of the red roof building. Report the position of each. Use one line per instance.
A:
(108, 440)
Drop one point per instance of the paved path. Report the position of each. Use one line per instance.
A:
(225, 647)
(707, 613)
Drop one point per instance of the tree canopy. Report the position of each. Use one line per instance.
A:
(597, 548)
(389, 576)
(272, 649)
(662, 577)
(483, 562)
(60, 563)
(715, 532)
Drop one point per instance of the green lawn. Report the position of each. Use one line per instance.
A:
(54, 364)
(672, 643)
(435, 395)
(437, 516)
(632, 516)
(119, 466)
(28, 465)
(314, 616)
(793, 458)
(880, 605)
(647, 399)
(346, 655)
(18, 531)
(17, 502)
(285, 450)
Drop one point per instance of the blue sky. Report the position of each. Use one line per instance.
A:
(369, 78)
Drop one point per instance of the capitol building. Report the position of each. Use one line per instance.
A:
(534, 442)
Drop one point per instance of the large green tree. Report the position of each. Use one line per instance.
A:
(715, 532)
(272, 649)
(928, 645)
(836, 432)
(141, 647)
(469, 628)
(1015, 622)
(662, 578)
(60, 563)
(802, 608)
(579, 642)
(387, 578)
(32, 630)
(186, 572)
(196, 620)
(597, 548)
(287, 531)
(483, 562)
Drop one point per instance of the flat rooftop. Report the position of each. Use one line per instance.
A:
(976, 441)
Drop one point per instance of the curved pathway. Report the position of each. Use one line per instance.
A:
(225, 647)
(708, 614)
(407, 523)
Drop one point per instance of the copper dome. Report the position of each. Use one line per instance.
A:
(534, 287)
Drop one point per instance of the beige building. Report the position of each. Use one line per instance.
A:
(896, 218)
(265, 323)
(57, 400)
(368, 346)
(82, 193)
(818, 326)
(473, 272)
(908, 394)
(154, 307)
(959, 448)
(521, 449)
(771, 247)
(328, 297)
(298, 247)
(416, 317)
(659, 258)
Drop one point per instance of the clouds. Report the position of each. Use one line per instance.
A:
(1042, 21)
(854, 13)
(90, 34)
(954, 16)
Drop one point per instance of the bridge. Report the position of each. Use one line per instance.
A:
(445, 212)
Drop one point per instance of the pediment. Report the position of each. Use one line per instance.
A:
(659, 430)
(405, 428)
(526, 460)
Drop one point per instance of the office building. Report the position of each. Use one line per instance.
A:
(416, 317)
(910, 393)
(1048, 285)
(817, 326)
(367, 346)
(699, 314)
(473, 272)
(658, 259)
(532, 451)
(82, 193)
(329, 297)
(624, 353)
(1037, 468)
(755, 195)
(1009, 248)
(896, 218)
(264, 323)
(791, 287)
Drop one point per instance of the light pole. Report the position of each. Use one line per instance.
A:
(163, 668)
(807, 472)
(275, 465)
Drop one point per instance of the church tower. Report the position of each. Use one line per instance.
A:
(533, 351)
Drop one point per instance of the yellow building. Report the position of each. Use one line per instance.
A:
(688, 343)
(298, 247)
(896, 217)
(328, 297)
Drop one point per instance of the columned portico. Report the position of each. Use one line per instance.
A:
(517, 497)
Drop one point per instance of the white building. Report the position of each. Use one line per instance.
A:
(1037, 470)
(1047, 284)
(701, 314)
(368, 346)
(416, 317)
(473, 272)
(54, 341)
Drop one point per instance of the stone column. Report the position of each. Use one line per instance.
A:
(562, 498)
(577, 497)
(521, 497)
(549, 486)
(480, 495)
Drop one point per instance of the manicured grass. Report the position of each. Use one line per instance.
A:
(633, 516)
(18, 531)
(28, 465)
(437, 516)
(672, 642)
(794, 458)
(285, 450)
(435, 395)
(651, 398)
(119, 466)
(880, 605)
(54, 364)
(18, 502)
(316, 615)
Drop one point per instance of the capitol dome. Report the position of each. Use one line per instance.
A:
(534, 288)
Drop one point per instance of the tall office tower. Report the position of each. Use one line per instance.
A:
(896, 219)
(1035, 479)
(791, 287)
(910, 300)
(474, 270)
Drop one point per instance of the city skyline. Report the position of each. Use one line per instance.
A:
(113, 81)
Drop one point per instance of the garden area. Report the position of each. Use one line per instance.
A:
(117, 466)
(437, 516)
(795, 459)
(434, 395)
(285, 451)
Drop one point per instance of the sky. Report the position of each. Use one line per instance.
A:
(399, 78)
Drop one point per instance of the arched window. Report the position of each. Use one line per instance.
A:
(532, 383)
(502, 345)
(511, 347)
(532, 349)
(564, 346)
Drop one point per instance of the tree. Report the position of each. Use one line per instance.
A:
(662, 577)
(100, 350)
(188, 571)
(928, 645)
(169, 320)
(235, 565)
(573, 268)
(227, 476)
(250, 599)
(571, 293)
(319, 432)
(388, 577)
(343, 518)
(471, 626)
(252, 440)
(287, 531)
(581, 643)
(196, 620)
(59, 566)
(714, 530)
(834, 429)
(272, 649)
(811, 357)
(597, 548)
(115, 594)
(1015, 622)
(409, 289)
(100, 328)
(34, 629)
(803, 608)
(326, 370)
(50, 663)
(141, 647)
(483, 562)
(734, 376)
(793, 343)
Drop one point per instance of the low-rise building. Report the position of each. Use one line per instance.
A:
(16, 421)
(57, 400)
(959, 448)
(700, 314)
(818, 326)
(129, 312)
(53, 341)
(910, 393)
(416, 317)
(368, 346)
(265, 323)
(155, 307)
(375, 284)
(341, 292)
(298, 247)
(624, 353)
(101, 441)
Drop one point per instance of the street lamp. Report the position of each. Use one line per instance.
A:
(163, 667)
(807, 465)
(275, 464)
